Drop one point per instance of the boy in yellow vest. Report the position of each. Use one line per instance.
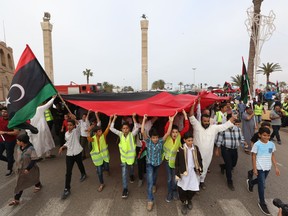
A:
(127, 148)
(171, 145)
(99, 153)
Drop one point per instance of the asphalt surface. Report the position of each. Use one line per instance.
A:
(216, 200)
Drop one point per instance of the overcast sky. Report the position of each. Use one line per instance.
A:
(105, 36)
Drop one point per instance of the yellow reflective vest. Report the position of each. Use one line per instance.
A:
(127, 148)
(99, 152)
(48, 115)
(170, 150)
(258, 110)
(285, 108)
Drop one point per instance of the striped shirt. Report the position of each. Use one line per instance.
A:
(230, 138)
(154, 152)
(263, 153)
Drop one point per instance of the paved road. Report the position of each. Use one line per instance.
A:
(216, 200)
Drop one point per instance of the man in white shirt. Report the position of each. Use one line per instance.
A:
(204, 137)
(84, 125)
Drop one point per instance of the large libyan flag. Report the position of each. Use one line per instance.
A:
(150, 103)
(30, 87)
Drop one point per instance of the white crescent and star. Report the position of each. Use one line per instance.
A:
(22, 90)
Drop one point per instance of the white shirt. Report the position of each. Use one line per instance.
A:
(73, 142)
(192, 180)
(204, 139)
(84, 125)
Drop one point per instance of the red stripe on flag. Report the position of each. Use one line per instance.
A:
(25, 58)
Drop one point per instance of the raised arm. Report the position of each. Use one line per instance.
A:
(186, 124)
(135, 128)
(108, 126)
(198, 112)
(87, 116)
(97, 118)
(171, 119)
(143, 127)
(49, 103)
(115, 131)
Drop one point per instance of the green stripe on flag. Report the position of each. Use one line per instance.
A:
(29, 110)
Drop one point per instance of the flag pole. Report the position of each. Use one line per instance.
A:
(64, 103)
(249, 92)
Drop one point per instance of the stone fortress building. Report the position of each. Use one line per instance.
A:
(7, 69)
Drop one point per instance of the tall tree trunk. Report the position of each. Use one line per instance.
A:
(267, 80)
(257, 10)
(87, 78)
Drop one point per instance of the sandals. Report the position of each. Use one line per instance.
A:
(14, 203)
(37, 189)
(101, 187)
(246, 149)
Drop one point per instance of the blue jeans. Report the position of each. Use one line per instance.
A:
(9, 147)
(258, 118)
(171, 183)
(152, 172)
(125, 167)
(260, 180)
(104, 166)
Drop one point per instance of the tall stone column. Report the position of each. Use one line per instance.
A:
(47, 43)
(144, 30)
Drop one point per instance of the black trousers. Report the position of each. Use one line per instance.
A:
(275, 132)
(9, 147)
(141, 163)
(185, 195)
(230, 157)
(18, 195)
(69, 167)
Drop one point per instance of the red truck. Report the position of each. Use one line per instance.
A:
(74, 88)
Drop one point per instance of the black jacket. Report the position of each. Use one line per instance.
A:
(181, 162)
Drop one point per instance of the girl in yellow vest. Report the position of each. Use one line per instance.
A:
(259, 110)
(127, 148)
(99, 153)
(171, 145)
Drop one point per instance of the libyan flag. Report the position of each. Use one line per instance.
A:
(29, 88)
(244, 84)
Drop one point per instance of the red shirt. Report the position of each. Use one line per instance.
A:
(65, 124)
(3, 127)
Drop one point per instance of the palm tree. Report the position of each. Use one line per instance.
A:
(205, 85)
(180, 85)
(236, 80)
(257, 10)
(268, 69)
(159, 84)
(88, 73)
(107, 87)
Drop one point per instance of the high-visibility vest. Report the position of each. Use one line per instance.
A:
(48, 115)
(219, 117)
(170, 150)
(285, 108)
(99, 155)
(258, 110)
(127, 148)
